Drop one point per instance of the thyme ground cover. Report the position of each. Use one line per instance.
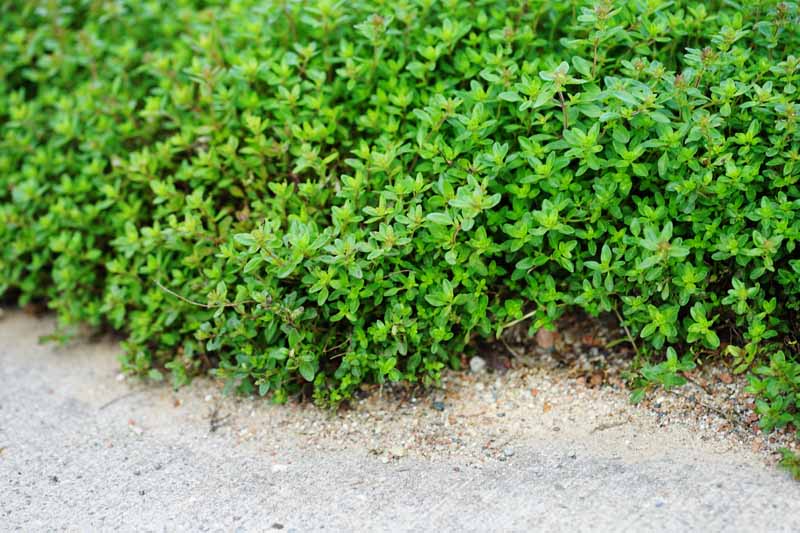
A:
(321, 194)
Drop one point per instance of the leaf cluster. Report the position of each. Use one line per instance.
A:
(329, 193)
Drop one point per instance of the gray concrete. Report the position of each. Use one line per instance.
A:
(72, 461)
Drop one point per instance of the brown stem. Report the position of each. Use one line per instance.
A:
(564, 110)
(199, 304)
(627, 332)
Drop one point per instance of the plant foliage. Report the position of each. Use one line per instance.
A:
(334, 192)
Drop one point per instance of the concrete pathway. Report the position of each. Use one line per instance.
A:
(81, 450)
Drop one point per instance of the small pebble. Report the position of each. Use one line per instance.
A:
(477, 364)
(508, 452)
(546, 339)
(439, 406)
(398, 451)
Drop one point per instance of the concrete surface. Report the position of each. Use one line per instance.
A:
(81, 450)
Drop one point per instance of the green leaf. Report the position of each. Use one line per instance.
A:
(582, 66)
(307, 370)
(509, 96)
(254, 263)
(244, 239)
(442, 219)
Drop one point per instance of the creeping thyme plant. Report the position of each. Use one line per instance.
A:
(316, 194)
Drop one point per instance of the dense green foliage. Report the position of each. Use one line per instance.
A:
(339, 192)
